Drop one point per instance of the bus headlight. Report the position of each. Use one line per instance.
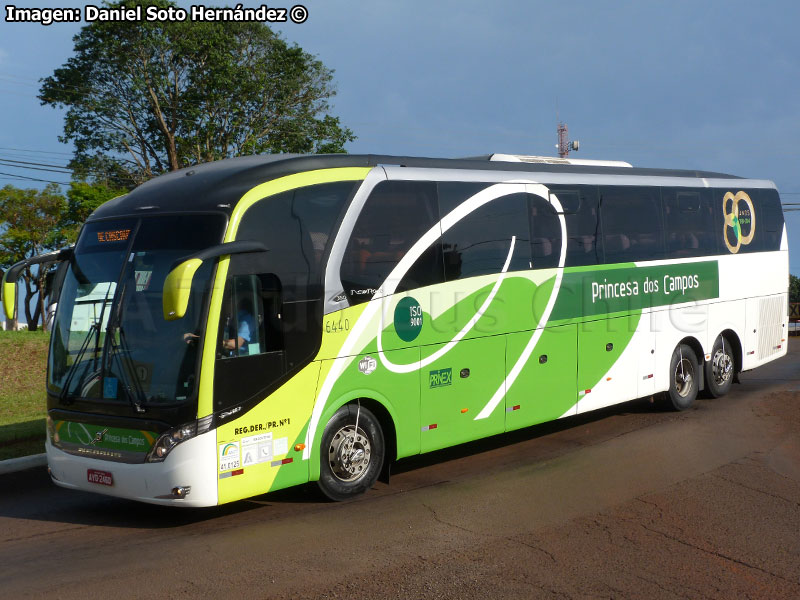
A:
(172, 437)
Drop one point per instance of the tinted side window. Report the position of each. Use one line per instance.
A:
(395, 216)
(632, 229)
(545, 233)
(582, 226)
(270, 322)
(689, 221)
(296, 227)
(771, 219)
(479, 244)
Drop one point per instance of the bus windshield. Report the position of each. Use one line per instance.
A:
(110, 342)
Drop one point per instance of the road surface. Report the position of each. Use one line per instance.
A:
(628, 502)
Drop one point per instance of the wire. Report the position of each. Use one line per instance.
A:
(36, 151)
(61, 171)
(24, 162)
(35, 178)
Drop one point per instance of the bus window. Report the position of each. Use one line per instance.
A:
(631, 218)
(582, 226)
(545, 233)
(296, 227)
(250, 316)
(395, 216)
(771, 218)
(569, 200)
(689, 222)
(251, 356)
(479, 243)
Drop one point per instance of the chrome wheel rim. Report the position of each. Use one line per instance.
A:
(683, 379)
(349, 454)
(721, 367)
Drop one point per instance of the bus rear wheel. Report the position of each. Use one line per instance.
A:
(720, 369)
(683, 377)
(352, 453)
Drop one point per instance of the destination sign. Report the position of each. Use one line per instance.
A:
(117, 235)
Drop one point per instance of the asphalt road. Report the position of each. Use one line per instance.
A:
(626, 502)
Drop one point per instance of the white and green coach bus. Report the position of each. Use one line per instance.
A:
(256, 323)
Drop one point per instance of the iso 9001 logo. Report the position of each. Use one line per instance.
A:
(740, 220)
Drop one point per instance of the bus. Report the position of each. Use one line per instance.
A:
(256, 323)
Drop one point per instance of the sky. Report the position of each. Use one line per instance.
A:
(708, 85)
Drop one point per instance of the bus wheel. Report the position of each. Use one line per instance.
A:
(352, 453)
(720, 369)
(683, 371)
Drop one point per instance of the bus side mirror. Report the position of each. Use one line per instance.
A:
(177, 286)
(9, 288)
(9, 297)
(178, 283)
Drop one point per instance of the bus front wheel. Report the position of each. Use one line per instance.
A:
(720, 369)
(683, 377)
(352, 453)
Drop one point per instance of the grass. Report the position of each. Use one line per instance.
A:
(23, 368)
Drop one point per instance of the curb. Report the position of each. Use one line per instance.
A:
(12, 465)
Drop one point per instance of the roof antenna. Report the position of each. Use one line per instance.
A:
(564, 145)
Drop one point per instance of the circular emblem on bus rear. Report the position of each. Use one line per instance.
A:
(740, 220)
(408, 319)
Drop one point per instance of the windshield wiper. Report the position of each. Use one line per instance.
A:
(121, 351)
(94, 329)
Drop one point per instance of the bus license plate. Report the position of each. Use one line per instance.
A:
(101, 477)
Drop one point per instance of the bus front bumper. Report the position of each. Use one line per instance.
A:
(187, 477)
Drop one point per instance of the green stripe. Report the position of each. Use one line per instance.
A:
(612, 291)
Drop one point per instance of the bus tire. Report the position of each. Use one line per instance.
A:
(721, 368)
(683, 377)
(348, 466)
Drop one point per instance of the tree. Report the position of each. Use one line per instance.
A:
(151, 97)
(32, 225)
(32, 222)
(83, 198)
(794, 288)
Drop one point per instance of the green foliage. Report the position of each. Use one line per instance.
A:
(31, 219)
(147, 98)
(83, 199)
(794, 288)
(37, 221)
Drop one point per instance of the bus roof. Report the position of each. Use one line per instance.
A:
(217, 186)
